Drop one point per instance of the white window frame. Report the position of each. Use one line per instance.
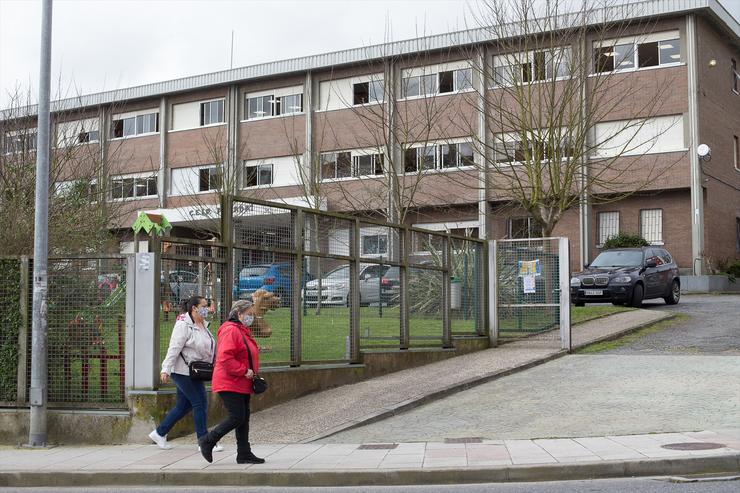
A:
(24, 134)
(134, 115)
(77, 127)
(635, 42)
(509, 60)
(370, 84)
(212, 171)
(378, 236)
(201, 113)
(335, 160)
(608, 223)
(258, 167)
(510, 223)
(135, 177)
(652, 214)
(276, 98)
(374, 156)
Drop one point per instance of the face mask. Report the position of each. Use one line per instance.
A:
(248, 320)
(203, 311)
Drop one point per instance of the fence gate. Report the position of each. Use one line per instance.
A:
(530, 293)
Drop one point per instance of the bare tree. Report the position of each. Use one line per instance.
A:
(81, 216)
(555, 80)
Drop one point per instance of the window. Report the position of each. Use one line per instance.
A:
(409, 161)
(209, 179)
(77, 132)
(608, 225)
(637, 137)
(626, 56)
(531, 147)
(264, 106)
(133, 187)
(651, 225)
(533, 66)
(523, 227)
(367, 92)
(131, 126)
(735, 76)
(256, 175)
(336, 165)
(211, 112)
(454, 155)
(665, 256)
(376, 244)
(369, 164)
(442, 82)
(16, 142)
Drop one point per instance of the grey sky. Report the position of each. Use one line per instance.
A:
(109, 44)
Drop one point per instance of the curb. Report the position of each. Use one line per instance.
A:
(472, 382)
(390, 477)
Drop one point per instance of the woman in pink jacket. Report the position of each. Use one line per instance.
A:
(232, 380)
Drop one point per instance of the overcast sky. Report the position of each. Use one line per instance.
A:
(103, 45)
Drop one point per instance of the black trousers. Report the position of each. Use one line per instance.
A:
(237, 405)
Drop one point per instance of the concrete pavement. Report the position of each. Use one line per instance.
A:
(377, 464)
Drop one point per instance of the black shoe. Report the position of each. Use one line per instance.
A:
(249, 458)
(206, 447)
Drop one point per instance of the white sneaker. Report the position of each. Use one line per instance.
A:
(217, 448)
(161, 441)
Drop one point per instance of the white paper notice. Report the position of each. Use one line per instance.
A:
(528, 282)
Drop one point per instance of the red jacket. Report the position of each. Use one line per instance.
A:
(229, 374)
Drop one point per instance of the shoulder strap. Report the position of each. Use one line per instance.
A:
(249, 353)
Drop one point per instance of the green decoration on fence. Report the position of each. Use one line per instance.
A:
(151, 223)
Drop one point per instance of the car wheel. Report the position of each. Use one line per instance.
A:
(637, 294)
(579, 303)
(675, 294)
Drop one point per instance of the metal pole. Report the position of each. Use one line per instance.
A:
(37, 397)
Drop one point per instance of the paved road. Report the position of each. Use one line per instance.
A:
(685, 378)
(656, 485)
(713, 327)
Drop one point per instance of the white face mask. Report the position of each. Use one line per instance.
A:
(248, 320)
(203, 311)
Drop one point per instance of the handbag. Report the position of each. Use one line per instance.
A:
(259, 384)
(201, 370)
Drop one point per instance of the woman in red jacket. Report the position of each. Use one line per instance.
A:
(232, 380)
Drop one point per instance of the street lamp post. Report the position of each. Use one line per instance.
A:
(38, 391)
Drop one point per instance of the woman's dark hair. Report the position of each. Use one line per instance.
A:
(190, 303)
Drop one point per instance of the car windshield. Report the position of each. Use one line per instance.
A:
(340, 273)
(259, 270)
(618, 258)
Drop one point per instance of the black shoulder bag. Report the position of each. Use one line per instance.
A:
(201, 370)
(259, 384)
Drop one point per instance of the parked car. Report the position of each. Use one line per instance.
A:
(627, 276)
(276, 278)
(183, 284)
(375, 282)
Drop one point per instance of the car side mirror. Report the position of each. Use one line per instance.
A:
(650, 264)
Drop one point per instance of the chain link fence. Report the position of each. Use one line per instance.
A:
(12, 321)
(190, 268)
(528, 289)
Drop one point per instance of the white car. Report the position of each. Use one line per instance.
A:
(373, 279)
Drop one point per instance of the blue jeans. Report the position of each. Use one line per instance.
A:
(191, 394)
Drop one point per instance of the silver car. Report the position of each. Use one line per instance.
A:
(376, 282)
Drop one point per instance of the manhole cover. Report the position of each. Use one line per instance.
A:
(693, 446)
(377, 446)
(464, 440)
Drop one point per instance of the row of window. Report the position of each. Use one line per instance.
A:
(626, 56)
(270, 105)
(651, 225)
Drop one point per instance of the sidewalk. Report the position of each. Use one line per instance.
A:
(322, 414)
(378, 464)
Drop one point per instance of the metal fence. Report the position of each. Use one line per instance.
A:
(86, 331)
(529, 289)
(347, 284)
(189, 268)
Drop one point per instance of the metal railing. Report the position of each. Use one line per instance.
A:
(347, 284)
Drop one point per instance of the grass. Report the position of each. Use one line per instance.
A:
(627, 339)
(522, 322)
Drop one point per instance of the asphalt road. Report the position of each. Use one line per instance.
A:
(713, 327)
(654, 485)
(683, 378)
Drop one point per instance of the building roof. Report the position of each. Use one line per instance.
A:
(620, 12)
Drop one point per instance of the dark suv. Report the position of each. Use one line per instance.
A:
(626, 276)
